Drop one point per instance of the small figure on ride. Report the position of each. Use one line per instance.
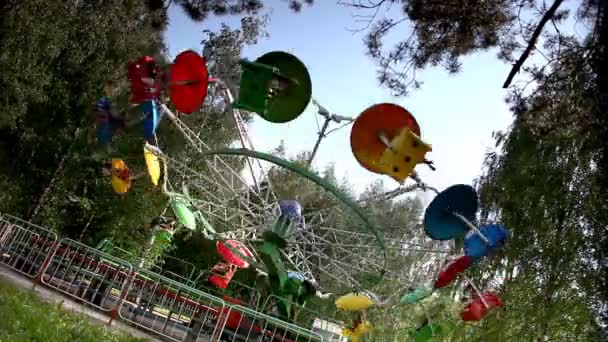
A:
(145, 77)
(107, 119)
(121, 177)
(122, 180)
(163, 229)
(277, 86)
(359, 302)
(222, 274)
(236, 255)
(359, 328)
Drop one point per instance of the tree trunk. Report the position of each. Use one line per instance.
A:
(86, 226)
(56, 176)
(46, 191)
(147, 247)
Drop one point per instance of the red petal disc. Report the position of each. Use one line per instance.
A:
(450, 273)
(227, 252)
(188, 82)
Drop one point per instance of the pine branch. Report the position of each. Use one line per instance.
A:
(539, 29)
(359, 4)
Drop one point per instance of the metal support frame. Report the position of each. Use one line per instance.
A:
(329, 117)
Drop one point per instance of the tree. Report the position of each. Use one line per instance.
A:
(55, 64)
(530, 188)
(600, 61)
(200, 9)
(440, 33)
(545, 185)
(224, 51)
(47, 114)
(552, 162)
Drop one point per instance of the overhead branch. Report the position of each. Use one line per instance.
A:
(532, 43)
(371, 5)
(367, 19)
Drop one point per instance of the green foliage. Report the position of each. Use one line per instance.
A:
(531, 190)
(52, 166)
(439, 33)
(25, 317)
(547, 181)
(225, 48)
(543, 184)
(201, 9)
(55, 64)
(196, 249)
(287, 185)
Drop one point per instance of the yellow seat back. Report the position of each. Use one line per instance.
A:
(406, 151)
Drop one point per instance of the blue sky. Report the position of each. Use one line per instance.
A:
(457, 113)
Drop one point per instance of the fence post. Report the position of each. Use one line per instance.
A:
(123, 294)
(196, 326)
(46, 263)
(220, 323)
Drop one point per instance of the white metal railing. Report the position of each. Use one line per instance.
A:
(147, 300)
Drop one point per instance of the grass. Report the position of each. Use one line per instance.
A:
(27, 318)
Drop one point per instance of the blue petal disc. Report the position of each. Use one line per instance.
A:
(439, 223)
(476, 248)
(152, 118)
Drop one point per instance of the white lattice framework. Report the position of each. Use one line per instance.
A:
(338, 253)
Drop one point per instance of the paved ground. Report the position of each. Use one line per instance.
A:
(9, 276)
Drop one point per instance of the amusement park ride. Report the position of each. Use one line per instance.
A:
(303, 253)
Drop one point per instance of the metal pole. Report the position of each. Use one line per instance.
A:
(321, 136)
(476, 290)
(472, 226)
(328, 118)
(239, 125)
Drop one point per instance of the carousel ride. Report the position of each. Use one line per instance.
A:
(336, 248)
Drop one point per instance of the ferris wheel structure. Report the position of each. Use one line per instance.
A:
(330, 247)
